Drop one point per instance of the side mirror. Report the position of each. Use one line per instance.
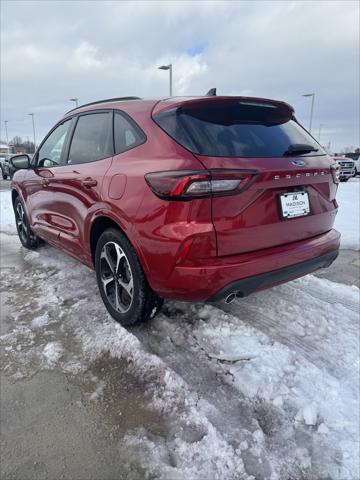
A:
(20, 162)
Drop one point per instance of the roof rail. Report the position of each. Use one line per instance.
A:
(118, 99)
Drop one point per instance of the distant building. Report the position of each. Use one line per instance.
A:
(19, 149)
(5, 149)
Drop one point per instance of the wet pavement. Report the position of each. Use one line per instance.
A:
(345, 269)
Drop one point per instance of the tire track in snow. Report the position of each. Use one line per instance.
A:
(263, 312)
(332, 300)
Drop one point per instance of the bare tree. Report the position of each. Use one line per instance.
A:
(17, 141)
(26, 146)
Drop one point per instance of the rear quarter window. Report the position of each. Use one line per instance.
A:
(127, 134)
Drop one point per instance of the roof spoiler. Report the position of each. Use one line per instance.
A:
(274, 111)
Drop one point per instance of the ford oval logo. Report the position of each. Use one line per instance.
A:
(298, 163)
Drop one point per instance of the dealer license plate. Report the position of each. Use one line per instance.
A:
(294, 204)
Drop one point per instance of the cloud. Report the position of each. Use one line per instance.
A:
(87, 56)
(188, 68)
(52, 51)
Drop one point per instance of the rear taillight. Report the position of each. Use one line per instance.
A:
(188, 185)
(335, 171)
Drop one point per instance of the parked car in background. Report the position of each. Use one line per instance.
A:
(4, 165)
(347, 168)
(195, 199)
(357, 166)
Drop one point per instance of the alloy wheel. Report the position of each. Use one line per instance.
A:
(21, 222)
(116, 277)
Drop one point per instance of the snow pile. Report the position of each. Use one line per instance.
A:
(7, 218)
(40, 321)
(308, 415)
(53, 351)
(348, 217)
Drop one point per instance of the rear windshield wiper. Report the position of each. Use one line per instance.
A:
(299, 148)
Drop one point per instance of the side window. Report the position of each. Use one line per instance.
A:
(50, 152)
(127, 134)
(92, 138)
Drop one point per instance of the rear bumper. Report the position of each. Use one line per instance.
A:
(244, 287)
(213, 279)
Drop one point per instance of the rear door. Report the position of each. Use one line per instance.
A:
(289, 190)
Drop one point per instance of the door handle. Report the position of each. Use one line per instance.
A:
(45, 182)
(89, 182)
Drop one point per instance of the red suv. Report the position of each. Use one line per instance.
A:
(196, 199)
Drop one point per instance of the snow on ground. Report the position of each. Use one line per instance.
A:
(317, 387)
(82, 318)
(7, 220)
(275, 388)
(348, 218)
(266, 387)
(53, 351)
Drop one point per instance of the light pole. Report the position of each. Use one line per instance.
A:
(6, 131)
(168, 67)
(312, 95)
(74, 100)
(33, 123)
(320, 128)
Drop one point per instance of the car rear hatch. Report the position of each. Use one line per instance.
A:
(288, 182)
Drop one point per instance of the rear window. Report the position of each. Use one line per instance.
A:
(235, 129)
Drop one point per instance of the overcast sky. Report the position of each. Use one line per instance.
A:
(53, 51)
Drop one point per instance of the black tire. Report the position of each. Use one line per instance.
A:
(122, 283)
(27, 237)
(3, 174)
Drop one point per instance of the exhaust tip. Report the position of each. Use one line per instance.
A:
(230, 298)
